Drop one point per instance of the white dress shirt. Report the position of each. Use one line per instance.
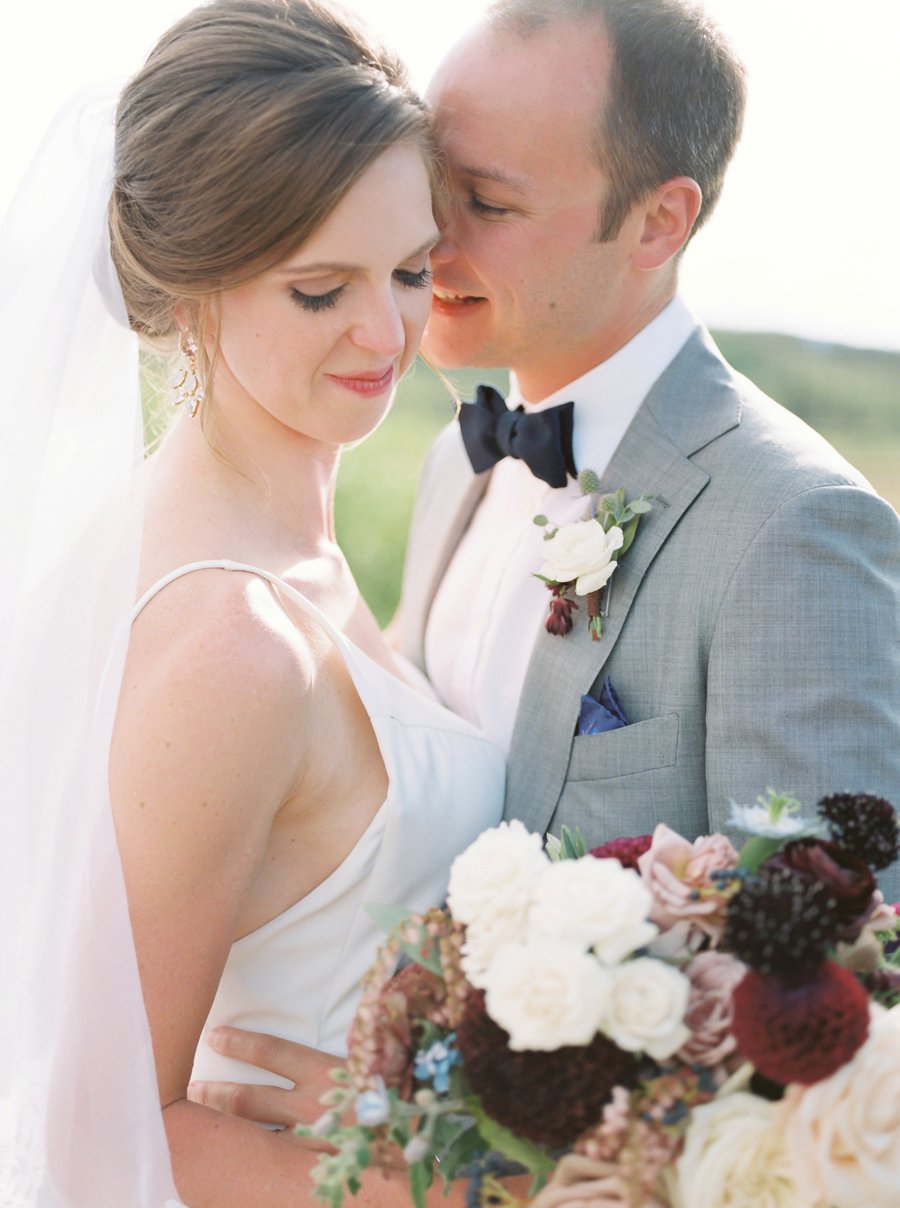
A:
(489, 606)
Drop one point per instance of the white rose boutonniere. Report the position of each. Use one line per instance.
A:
(582, 552)
(582, 556)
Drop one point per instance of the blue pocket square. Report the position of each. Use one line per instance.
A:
(598, 716)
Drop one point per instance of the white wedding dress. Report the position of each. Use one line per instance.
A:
(298, 975)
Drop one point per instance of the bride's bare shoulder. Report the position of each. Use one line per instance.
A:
(212, 638)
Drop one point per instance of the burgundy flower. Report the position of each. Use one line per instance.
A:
(560, 620)
(846, 878)
(549, 1097)
(780, 922)
(800, 1029)
(864, 824)
(625, 850)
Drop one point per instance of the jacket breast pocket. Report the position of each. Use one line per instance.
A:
(640, 747)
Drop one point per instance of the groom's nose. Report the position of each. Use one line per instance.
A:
(445, 249)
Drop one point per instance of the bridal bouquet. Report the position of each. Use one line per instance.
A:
(711, 1026)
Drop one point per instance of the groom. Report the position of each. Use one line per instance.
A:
(752, 628)
(751, 631)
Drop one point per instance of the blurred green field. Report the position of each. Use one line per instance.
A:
(851, 396)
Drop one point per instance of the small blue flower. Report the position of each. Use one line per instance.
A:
(435, 1063)
(373, 1107)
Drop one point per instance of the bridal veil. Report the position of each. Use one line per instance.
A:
(79, 1112)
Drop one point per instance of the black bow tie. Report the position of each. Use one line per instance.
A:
(542, 439)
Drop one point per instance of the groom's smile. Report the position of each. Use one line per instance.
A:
(444, 302)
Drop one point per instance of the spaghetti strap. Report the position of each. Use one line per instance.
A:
(226, 564)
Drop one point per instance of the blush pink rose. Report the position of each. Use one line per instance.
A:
(677, 873)
(714, 977)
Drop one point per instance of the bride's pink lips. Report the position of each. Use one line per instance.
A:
(365, 383)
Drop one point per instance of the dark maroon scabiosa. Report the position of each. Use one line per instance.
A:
(863, 824)
(626, 850)
(550, 1098)
(800, 1028)
(846, 878)
(780, 922)
(560, 620)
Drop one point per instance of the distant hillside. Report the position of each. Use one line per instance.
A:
(833, 387)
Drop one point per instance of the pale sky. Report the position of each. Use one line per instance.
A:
(807, 236)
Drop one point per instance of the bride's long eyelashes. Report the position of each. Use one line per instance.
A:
(317, 302)
(418, 280)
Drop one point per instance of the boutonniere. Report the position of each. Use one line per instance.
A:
(581, 556)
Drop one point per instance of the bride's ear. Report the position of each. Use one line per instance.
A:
(184, 315)
(670, 214)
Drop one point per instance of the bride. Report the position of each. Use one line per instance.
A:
(268, 764)
(212, 761)
(271, 213)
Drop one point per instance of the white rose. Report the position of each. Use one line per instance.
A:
(597, 903)
(647, 1006)
(496, 872)
(546, 994)
(582, 553)
(504, 923)
(734, 1154)
(843, 1133)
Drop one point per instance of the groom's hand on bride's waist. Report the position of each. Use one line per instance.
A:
(308, 1069)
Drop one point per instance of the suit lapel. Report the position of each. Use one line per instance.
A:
(653, 457)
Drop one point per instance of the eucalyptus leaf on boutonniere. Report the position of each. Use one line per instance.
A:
(580, 557)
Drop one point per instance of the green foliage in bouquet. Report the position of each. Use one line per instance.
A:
(404, 1099)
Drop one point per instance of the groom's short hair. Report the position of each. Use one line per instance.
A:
(676, 96)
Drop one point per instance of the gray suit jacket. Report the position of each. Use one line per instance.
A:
(753, 630)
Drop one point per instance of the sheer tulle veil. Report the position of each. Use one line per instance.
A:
(79, 1113)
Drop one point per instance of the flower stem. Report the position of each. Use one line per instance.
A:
(594, 601)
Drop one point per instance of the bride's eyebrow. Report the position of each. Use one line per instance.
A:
(335, 266)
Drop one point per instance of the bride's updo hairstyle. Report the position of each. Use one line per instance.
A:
(249, 121)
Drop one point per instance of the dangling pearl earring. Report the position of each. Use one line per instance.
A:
(189, 388)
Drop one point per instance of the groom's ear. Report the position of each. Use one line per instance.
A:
(670, 212)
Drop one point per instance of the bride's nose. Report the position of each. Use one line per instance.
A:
(380, 326)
